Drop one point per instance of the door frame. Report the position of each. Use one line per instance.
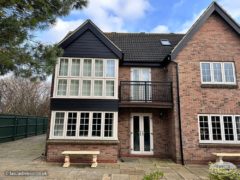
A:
(140, 69)
(151, 152)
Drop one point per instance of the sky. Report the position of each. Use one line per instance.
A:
(154, 16)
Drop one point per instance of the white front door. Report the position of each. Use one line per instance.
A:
(141, 134)
(141, 87)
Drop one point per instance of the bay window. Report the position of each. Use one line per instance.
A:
(84, 125)
(85, 77)
(219, 128)
(217, 73)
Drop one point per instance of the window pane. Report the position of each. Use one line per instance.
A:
(98, 68)
(108, 126)
(228, 128)
(110, 68)
(87, 67)
(216, 128)
(86, 88)
(217, 72)
(63, 70)
(84, 124)
(74, 87)
(237, 118)
(71, 125)
(204, 129)
(75, 70)
(206, 72)
(96, 124)
(228, 69)
(62, 87)
(109, 88)
(98, 86)
(58, 125)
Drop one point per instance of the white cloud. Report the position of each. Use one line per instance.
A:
(178, 4)
(188, 24)
(58, 31)
(109, 15)
(232, 7)
(160, 29)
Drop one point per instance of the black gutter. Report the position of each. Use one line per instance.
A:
(179, 113)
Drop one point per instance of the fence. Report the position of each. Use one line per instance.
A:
(16, 127)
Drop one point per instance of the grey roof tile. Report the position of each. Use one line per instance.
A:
(144, 47)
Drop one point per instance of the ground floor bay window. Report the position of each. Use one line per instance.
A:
(83, 125)
(219, 128)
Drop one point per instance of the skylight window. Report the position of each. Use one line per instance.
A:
(165, 42)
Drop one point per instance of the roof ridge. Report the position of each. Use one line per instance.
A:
(146, 33)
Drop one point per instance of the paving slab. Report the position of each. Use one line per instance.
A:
(26, 155)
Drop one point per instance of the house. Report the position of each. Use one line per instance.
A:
(148, 95)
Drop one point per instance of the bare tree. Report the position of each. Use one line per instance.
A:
(24, 97)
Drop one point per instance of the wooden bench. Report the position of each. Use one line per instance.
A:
(221, 155)
(68, 153)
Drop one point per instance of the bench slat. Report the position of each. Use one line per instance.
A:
(80, 152)
(227, 154)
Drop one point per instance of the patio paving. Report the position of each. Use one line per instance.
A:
(26, 155)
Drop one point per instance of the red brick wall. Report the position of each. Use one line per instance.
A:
(108, 153)
(174, 133)
(161, 134)
(158, 74)
(166, 128)
(214, 41)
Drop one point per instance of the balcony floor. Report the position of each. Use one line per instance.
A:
(127, 104)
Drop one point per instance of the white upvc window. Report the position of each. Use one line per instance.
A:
(84, 125)
(217, 73)
(63, 69)
(214, 128)
(62, 87)
(86, 78)
(75, 67)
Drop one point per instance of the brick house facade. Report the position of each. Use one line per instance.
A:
(171, 96)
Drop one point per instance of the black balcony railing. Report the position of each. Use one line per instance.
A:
(145, 91)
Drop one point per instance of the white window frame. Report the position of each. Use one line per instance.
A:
(81, 78)
(89, 137)
(222, 71)
(223, 141)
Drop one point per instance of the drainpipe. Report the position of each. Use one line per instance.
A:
(179, 112)
(179, 117)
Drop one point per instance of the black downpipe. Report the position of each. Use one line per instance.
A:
(179, 117)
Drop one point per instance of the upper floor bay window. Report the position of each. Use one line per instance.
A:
(86, 78)
(219, 128)
(218, 73)
(84, 125)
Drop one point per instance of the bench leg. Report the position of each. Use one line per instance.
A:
(94, 161)
(220, 159)
(66, 161)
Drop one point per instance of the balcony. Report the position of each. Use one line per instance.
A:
(149, 94)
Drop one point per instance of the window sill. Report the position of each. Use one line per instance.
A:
(82, 141)
(222, 86)
(218, 145)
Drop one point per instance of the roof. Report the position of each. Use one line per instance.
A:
(144, 47)
(213, 7)
(89, 25)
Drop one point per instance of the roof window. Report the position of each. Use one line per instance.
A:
(165, 42)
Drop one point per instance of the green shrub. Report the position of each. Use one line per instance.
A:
(224, 174)
(153, 176)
